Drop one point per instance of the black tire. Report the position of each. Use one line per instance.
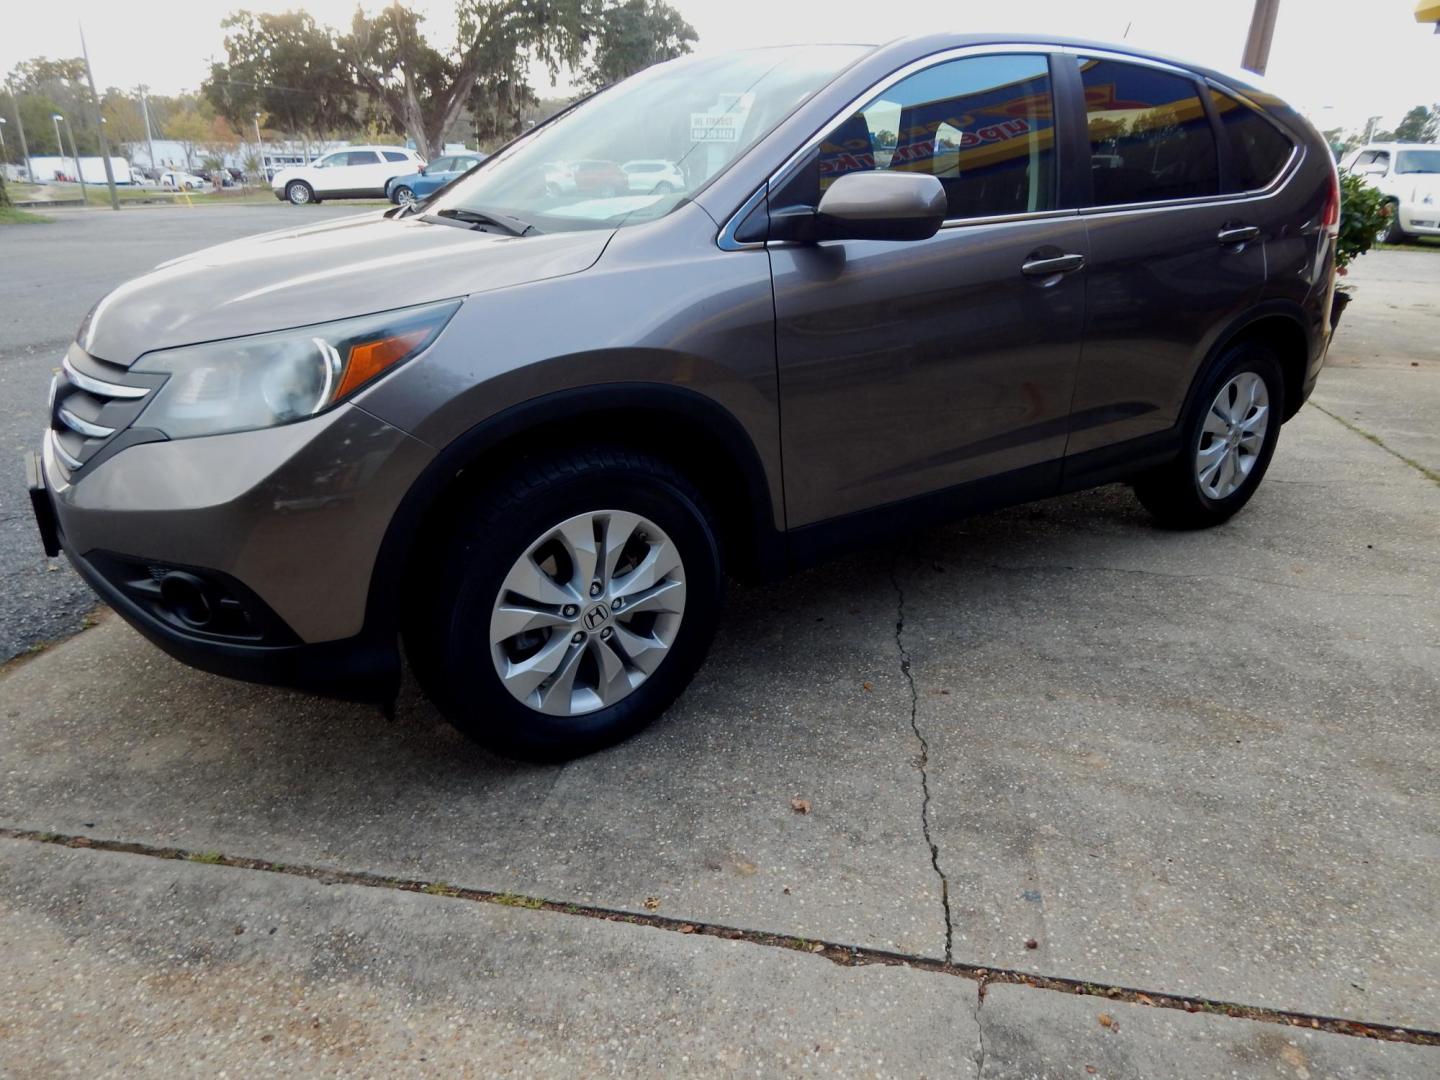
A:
(300, 193)
(1172, 492)
(447, 634)
(1393, 233)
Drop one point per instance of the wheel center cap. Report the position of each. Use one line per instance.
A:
(596, 616)
(1233, 439)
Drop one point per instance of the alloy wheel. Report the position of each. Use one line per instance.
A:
(1232, 435)
(587, 613)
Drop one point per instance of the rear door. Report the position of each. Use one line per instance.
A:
(1171, 260)
(911, 367)
(366, 173)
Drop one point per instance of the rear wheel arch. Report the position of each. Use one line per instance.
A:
(689, 431)
(1280, 327)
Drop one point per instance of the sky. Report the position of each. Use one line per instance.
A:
(1336, 61)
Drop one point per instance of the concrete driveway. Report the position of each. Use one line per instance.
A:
(1084, 798)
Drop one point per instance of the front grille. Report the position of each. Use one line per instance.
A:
(93, 402)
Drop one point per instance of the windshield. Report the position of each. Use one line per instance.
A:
(1418, 161)
(689, 118)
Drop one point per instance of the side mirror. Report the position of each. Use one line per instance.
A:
(865, 206)
(881, 206)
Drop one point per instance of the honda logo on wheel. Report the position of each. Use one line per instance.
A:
(596, 616)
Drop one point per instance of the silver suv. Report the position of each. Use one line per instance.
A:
(527, 428)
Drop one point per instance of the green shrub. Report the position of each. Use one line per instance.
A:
(1363, 213)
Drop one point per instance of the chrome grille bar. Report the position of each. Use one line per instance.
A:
(83, 427)
(99, 387)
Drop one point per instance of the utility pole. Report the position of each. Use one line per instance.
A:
(20, 123)
(99, 125)
(149, 139)
(1257, 42)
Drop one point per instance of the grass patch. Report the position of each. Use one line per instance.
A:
(13, 215)
(1415, 243)
(210, 857)
(515, 900)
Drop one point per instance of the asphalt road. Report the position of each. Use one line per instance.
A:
(52, 275)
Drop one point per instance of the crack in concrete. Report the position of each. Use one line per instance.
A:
(980, 1031)
(923, 759)
(837, 953)
(1428, 473)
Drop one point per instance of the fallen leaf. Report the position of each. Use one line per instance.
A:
(1091, 1069)
(1144, 999)
(816, 946)
(1031, 943)
(686, 928)
(799, 805)
(867, 686)
(652, 903)
(1106, 1020)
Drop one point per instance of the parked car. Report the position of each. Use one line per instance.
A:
(431, 177)
(182, 181)
(651, 176)
(536, 462)
(1409, 176)
(357, 172)
(599, 178)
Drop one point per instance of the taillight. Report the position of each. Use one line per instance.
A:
(1330, 215)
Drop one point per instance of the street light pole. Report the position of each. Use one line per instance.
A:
(74, 153)
(99, 125)
(264, 173)
(149, 139)
(59, 142)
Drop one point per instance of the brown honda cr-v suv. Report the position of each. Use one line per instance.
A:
(527, 428)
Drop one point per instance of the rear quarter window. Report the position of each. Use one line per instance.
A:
(1258, 149)
(395, 155)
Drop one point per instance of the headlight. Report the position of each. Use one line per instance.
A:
(256, 382)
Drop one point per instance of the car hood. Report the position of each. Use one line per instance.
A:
(296, 277)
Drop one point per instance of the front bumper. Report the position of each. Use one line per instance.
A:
(278, 529)
(1420, 220)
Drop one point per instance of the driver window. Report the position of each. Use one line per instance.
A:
(983, 125)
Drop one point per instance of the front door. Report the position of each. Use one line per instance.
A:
(908, 368)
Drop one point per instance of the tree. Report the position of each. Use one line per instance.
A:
(286, 66)
(1418, 126)
(191, 131)
(425, 91)
(634, 34)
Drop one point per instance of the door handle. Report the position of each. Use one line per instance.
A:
(1059, 264)
(1237, 234)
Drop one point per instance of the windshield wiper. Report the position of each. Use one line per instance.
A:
(512, 225)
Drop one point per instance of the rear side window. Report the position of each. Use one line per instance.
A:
(394, 155)
(983, 125)
(1150, 138)
(1258, 149)
(362, 157)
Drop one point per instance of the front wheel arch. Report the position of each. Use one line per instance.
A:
(698, 436)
